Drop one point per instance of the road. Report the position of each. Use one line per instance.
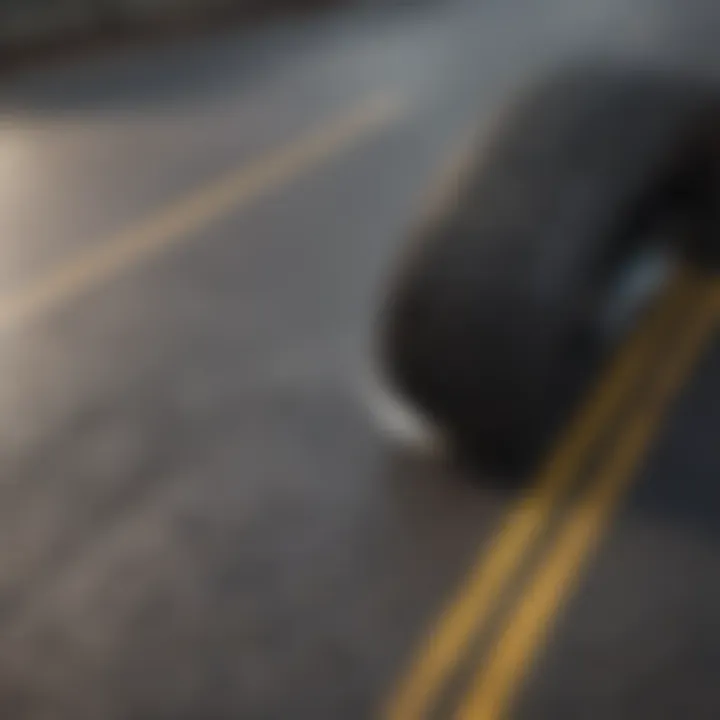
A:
(197, 517)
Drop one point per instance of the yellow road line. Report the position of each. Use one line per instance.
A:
(526, 521)
(178, 220)
(490, 696)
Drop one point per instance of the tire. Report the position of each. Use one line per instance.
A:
(493, 325)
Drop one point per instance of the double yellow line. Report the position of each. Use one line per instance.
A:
(651, 368)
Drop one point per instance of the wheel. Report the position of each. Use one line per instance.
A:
(557, 239)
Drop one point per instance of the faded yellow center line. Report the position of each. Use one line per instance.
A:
(177, 221)
(498, 680)
(469, 612)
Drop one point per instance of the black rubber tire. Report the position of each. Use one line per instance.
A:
(489, 327)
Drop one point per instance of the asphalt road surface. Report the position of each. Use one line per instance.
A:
(197, 518)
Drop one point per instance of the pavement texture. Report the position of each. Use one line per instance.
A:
(197, 517)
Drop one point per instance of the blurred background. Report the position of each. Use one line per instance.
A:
(200, 201)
